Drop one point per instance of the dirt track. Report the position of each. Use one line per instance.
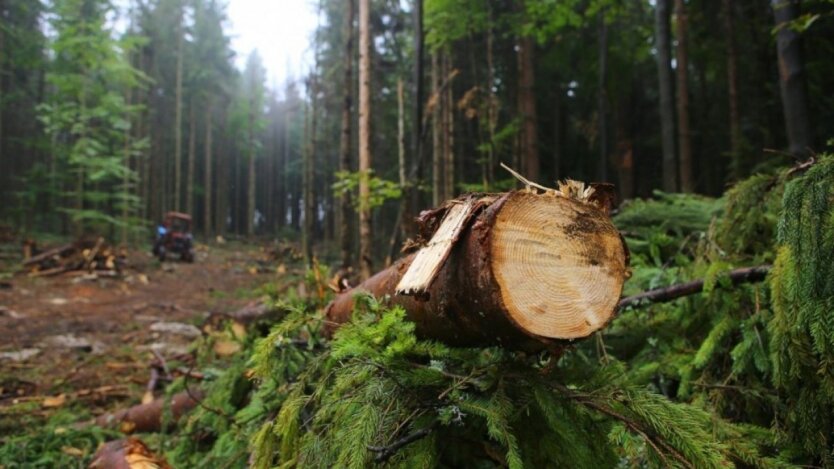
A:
(84, 333)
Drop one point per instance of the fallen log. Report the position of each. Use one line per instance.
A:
(46, 255)
(144, 418)
(522, 269)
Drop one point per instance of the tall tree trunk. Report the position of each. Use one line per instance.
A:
(558, 135)
(192, 157)
(284, 189)
(401, 131)
(207, 173)
(437, 131)
(792, 78)
(412, 192)
(602, 96)
(527, 109)
(178, 111)
(221, 204)
(684, 133)
(365, 158)
(667, 113)
(492, 105)
(251, 184)
(345, 238)
(449, 133)
(309, 174)
(732, 87)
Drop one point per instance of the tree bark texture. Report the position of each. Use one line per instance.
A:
(684, 133)
(602, 105)
(147, 418)
(792, 78)
(527, 271)
(345, 241)
(365, 158)
(251, 184)
(527, 109)
(192, 159)
(178, 110)
(667, 113)
(207, 173)
(309, 177)
(732, 86)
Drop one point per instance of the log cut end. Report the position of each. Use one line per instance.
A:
(560, 265)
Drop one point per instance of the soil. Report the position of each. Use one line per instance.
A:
(94, 338)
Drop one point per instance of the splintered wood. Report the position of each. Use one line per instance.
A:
(422, 272)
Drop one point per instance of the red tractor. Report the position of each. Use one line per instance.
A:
(174, 236)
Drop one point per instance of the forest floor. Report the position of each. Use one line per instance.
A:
(68, 338)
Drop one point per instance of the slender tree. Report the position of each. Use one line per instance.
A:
(792, 77)
(602, 96)
(667, 114)
(684, 133)
(527, 108)
(732, 85)
(345, 241)
(207, 169)
(365, 157)
(178, 107)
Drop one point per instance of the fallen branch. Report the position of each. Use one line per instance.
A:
(673, 292)
(59, 251)
(384, 453)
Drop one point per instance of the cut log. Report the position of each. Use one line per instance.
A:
(145, 418)
(528, 271)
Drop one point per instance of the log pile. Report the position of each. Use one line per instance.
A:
(84, 255)
(525, 269)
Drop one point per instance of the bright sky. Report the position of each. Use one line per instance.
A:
(279, 29)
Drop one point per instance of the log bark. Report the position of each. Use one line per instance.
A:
(146, 418)
(527, 271)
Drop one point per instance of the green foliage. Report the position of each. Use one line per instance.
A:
(802, 284)
(56, 444)
(381, 190)
(88, 118)
(378, 383)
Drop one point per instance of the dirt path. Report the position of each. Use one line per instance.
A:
(82, 334)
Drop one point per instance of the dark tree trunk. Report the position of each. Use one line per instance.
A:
(684, 134)
(792, 78)
(527, 109)
(732, 88)
(602, 106)
(345, 238)
(667, 113)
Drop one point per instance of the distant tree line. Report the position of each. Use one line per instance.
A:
(406, 104)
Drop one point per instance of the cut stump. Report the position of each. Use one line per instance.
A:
(523, 270)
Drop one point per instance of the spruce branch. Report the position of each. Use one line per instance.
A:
(673, 292)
